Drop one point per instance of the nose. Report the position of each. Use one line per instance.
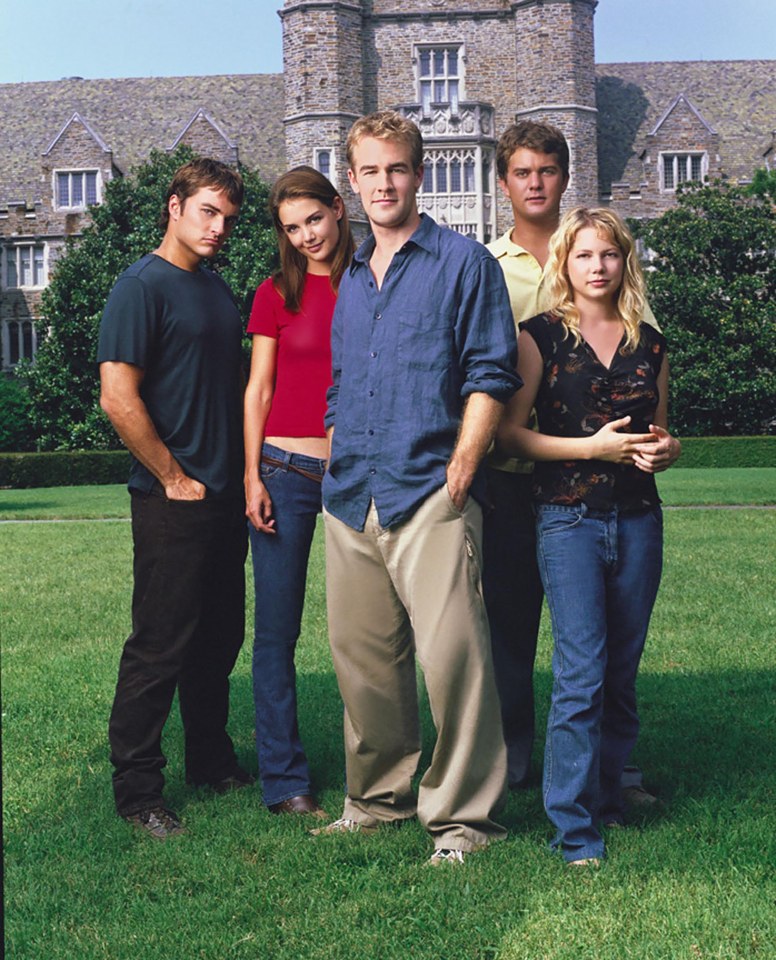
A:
(308, 233)
(534, 180)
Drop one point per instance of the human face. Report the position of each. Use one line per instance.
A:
(199, 226)
(313, 229)
(595, 266)
(383, 177)
(534, 185)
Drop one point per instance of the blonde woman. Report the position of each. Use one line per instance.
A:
(598, 378)
(285, 459)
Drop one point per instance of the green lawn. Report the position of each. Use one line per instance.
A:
(694, 882)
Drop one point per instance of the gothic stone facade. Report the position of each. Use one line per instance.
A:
(462, 69)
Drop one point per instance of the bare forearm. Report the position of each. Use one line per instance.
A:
(478, 427)
(138, 433)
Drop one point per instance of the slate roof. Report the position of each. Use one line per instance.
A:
(132, 116)
(737, 98)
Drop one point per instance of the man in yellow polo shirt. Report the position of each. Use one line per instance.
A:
(532, 160)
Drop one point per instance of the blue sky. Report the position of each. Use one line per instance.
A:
(51, 39)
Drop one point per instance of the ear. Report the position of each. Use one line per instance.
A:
(338, 207)
(505, 188)
(353, 181)
(174, 207)
(565, 184)
(419, 177)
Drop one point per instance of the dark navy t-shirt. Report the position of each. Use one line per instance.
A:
(184, 330)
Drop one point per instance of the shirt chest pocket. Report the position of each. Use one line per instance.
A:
(426, 341)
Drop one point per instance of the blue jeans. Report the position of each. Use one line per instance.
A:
(279, 576)
(601, 573)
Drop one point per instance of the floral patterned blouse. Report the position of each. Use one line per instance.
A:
(577, 396)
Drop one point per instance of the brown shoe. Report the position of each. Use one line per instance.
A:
(305, 804)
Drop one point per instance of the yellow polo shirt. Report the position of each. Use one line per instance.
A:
(528, 298)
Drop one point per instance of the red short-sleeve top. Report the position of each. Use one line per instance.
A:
(303, 369)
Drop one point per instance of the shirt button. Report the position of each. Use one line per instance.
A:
(373, 471)
(371, 433)
(373, 354)
(378, 316)
(371, 393)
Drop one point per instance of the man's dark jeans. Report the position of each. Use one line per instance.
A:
(513, 598)
(188, 624)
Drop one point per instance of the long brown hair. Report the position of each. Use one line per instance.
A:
(305, 183)
(630, 299)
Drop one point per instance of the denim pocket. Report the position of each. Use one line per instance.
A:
(267, 471)
(554, 519)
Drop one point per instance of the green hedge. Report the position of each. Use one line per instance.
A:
(71, 468)
(81, 468)
(728, 452)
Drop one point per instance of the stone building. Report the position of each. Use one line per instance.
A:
(462, 69)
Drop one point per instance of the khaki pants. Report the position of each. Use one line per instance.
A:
(392, 593)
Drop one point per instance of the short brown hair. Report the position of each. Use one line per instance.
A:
(386, 125)
(533, 135)
(199, 173)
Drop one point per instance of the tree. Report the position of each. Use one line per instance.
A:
(64, 381)
(711, 287)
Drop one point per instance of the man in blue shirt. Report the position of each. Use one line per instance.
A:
(424, 356)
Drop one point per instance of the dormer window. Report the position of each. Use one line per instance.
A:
(681, 167)
(76, 189)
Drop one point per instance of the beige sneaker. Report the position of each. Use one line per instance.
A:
(344, 825)
(444, 855)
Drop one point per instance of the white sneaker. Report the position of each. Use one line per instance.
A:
(443, 855)
(344, 825)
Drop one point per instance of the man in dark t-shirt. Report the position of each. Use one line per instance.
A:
(170, 370)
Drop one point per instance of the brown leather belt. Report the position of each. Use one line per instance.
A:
(272, 462)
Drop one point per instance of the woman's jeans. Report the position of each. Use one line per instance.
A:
(279, 576)
(601, 573)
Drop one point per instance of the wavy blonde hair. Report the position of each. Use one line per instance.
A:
(630, 299)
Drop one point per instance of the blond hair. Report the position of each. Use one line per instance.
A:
(386, 125)
(629, 300)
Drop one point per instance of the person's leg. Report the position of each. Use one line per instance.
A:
(574, 554)
(168, 563)
(631, 591)
(513, 598)
(434, 561)
(279, 576)
(203, 686)
(372, 651)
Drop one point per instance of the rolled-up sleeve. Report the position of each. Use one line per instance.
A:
(485, 333)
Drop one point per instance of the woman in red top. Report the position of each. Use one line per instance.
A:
(285, 458)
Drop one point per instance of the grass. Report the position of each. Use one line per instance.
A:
(695, 486)
(694, 882)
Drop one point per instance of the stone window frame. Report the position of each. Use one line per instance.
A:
(331, 172)
(685, 157)
(71, 172)
(445, 77)
(17, 246)
(19, 341)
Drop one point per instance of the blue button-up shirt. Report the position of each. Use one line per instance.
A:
(405, 358)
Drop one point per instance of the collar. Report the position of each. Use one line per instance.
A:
(426, 237)
(505, 246)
